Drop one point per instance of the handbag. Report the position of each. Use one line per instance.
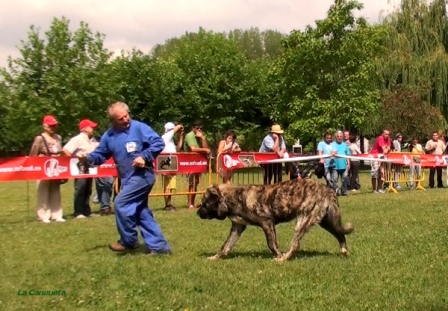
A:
(59, 181)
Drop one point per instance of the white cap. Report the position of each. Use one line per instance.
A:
(169, 126)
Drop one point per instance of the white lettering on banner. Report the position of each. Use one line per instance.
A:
(193, 163)
(30, 168)
(52, 168)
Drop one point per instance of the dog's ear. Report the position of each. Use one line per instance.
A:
(214, 190)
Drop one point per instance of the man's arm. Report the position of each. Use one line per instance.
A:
(70, 147)
(191, 144)
(101, 154)
(152, 143)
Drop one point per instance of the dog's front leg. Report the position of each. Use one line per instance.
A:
(235, 232)
(271, 237)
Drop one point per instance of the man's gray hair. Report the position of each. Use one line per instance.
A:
(111, 108)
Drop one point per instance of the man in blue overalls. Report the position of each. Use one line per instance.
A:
(133, 146)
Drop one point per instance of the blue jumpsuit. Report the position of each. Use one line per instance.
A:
(131, 204)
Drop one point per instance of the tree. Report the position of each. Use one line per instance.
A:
(326, 74)
(63, 74)
(416, 50)
(403, 110)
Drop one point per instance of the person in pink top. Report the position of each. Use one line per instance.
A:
(382, 145)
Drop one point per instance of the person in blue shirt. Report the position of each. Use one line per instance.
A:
(133, 146)
(325, 148)
(342, 165)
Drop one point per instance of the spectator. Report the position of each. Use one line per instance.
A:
(228, 145)
(397, 148)
(273, 142)
(195, 141)
(342, 165)
(48, 143)
(325, 148)
(415, 167)
(354, 164)
(81, 144)
(169, 180)
(133, 146)
(435, 146)
(104, 187)
(347, 137)
(382, 145)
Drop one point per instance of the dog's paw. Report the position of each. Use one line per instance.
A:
(280, 259)
(344, 251)
(215, 257)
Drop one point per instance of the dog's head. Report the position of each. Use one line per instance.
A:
(212, 205)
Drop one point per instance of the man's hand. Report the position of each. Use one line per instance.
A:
(281, 154)
(139, 162)
(207, 150)
(275, 136)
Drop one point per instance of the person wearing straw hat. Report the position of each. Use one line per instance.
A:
(273, 142)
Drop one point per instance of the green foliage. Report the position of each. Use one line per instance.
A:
(327, 74)
(415, 50)
(63, 74)
(403, 110)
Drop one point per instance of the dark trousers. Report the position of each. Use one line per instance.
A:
(439, 177)
(354, 175)
(272, 171)
(83, 191)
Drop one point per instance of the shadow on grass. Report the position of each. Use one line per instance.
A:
(269, 255)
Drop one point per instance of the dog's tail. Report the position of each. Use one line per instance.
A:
(334, 216)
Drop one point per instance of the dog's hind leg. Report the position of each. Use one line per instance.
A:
(235, 232)
(337, 231)
(271, 237)
(303, 224)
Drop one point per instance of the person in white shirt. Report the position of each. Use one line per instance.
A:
(169, 180)
(82, 143)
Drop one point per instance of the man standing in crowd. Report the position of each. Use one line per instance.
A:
(81, 144)
(133, 146)
(273, 142)
(342, 165)
(382, 145)
(435, 146)
(195, 141)
(169, 180)
(325, 148)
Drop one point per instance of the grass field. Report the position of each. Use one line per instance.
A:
(398, 260)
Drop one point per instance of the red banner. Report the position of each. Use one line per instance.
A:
(232, 161)
(239, 160)
(34, 168)
(407, 158)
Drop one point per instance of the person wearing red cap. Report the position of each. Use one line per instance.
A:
(48, 143)
(82, 143)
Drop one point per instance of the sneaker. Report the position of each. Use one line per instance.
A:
(45, 221)
(60, 220)
(381, 191)
(80, 217)
(170, 208)
(192, 207)
(106, 211)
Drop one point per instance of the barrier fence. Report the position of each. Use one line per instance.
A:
(180, 172)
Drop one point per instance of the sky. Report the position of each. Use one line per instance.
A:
(142, 24)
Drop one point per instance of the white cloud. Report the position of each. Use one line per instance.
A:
(142, 24)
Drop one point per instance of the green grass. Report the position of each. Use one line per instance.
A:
(397, 260)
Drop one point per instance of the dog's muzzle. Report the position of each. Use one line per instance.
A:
(202, 212)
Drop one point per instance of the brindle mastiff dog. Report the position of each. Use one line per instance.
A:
(305, 200)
